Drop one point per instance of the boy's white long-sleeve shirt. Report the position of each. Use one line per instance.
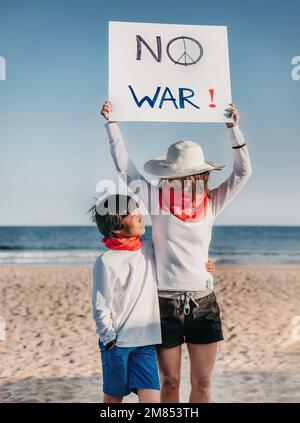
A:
(181, 248)
(124, 298)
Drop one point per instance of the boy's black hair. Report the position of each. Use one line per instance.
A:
(109, 213)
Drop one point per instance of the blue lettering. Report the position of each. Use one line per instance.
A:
(150, 101)
(183, 98)
(184, 94)
(163, 98)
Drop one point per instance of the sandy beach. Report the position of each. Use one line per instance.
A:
(51, 354)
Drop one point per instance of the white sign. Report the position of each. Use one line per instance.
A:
(171, 73)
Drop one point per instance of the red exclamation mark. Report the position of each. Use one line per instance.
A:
(212, 92)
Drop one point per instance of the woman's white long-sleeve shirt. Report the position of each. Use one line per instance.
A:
(124, 298)
(181, 248)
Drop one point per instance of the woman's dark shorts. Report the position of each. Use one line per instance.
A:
(201, 326)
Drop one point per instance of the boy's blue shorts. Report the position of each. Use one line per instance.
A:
(127, 369)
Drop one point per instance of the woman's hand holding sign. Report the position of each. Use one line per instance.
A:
(234, 114)
(106, 109)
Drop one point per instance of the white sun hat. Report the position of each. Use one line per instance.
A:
(183, 158)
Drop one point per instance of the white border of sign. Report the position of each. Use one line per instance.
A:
(146, 74)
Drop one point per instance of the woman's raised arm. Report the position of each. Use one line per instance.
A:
(242, 170)
(129, 172)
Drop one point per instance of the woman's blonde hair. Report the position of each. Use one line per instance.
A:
(193, 178)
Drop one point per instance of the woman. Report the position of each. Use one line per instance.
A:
(183, 210)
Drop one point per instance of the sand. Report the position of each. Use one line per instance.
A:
(51, 354)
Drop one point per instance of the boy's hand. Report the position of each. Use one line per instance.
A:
(110, 345)
(106, 109)
(210, 267)
(233, 113)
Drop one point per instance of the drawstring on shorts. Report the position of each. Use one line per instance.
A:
(183, 301)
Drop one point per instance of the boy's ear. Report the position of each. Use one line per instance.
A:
(117, 232)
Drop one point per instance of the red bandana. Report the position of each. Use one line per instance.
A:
(132, 243)
(183, 208)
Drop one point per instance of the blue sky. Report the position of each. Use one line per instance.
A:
(53, 144)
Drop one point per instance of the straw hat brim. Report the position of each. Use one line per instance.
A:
(159, 167)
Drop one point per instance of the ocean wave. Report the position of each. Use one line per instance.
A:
(67, 257)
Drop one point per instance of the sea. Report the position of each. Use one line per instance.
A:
(80, 245)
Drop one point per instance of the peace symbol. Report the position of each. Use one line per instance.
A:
(185, 59)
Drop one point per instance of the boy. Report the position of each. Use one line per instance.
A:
(125, 302)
